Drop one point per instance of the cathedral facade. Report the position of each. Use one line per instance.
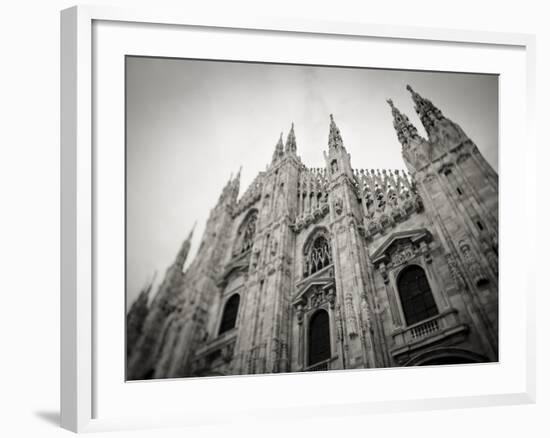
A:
(334, 268)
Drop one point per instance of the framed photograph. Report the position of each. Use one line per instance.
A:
(257, 208)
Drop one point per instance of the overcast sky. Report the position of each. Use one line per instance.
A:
(190, 124)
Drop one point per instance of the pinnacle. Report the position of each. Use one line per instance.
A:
(425, 109)
(290, 145)
(280, 142)
(404, 128)
(334, 137)
(190, 235)
(184, 250)
(278, 148)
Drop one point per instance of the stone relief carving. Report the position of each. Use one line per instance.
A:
(300, 311)
(366, 313)
(425, 250)
(338, 206)
(472, 264)
(315, 297)
(319, 296)
(350, 315)
(403, 256)
(455, 271)
(384, 272)
(304, 221)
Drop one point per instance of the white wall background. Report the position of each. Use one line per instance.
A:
(29, 220)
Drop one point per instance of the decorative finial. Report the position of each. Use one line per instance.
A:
(410, 88)
(390, 102)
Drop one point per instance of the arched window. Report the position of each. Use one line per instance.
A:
(416, 296)
(229, 316)
(318, 255)
(245, 235)
(319, 337)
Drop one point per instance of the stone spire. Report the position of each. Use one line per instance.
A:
(184, 250)
(279, 151)
(443, 133)
(334, 137)
(290, 145)
(236, 184)
(405, 130)
(426, 110)
(227, 192)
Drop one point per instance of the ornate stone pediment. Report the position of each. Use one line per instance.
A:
(313, 295)
(402, 246)
(312, 287)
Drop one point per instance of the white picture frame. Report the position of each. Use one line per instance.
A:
(83, 370)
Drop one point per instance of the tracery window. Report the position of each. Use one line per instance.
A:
(416, 296)
(245, 235)
(229, 316)
(319, 337)
(318, 256)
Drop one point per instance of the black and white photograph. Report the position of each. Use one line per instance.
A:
(289, 218)
(275, 219)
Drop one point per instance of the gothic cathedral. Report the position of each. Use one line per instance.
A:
(333, 268)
